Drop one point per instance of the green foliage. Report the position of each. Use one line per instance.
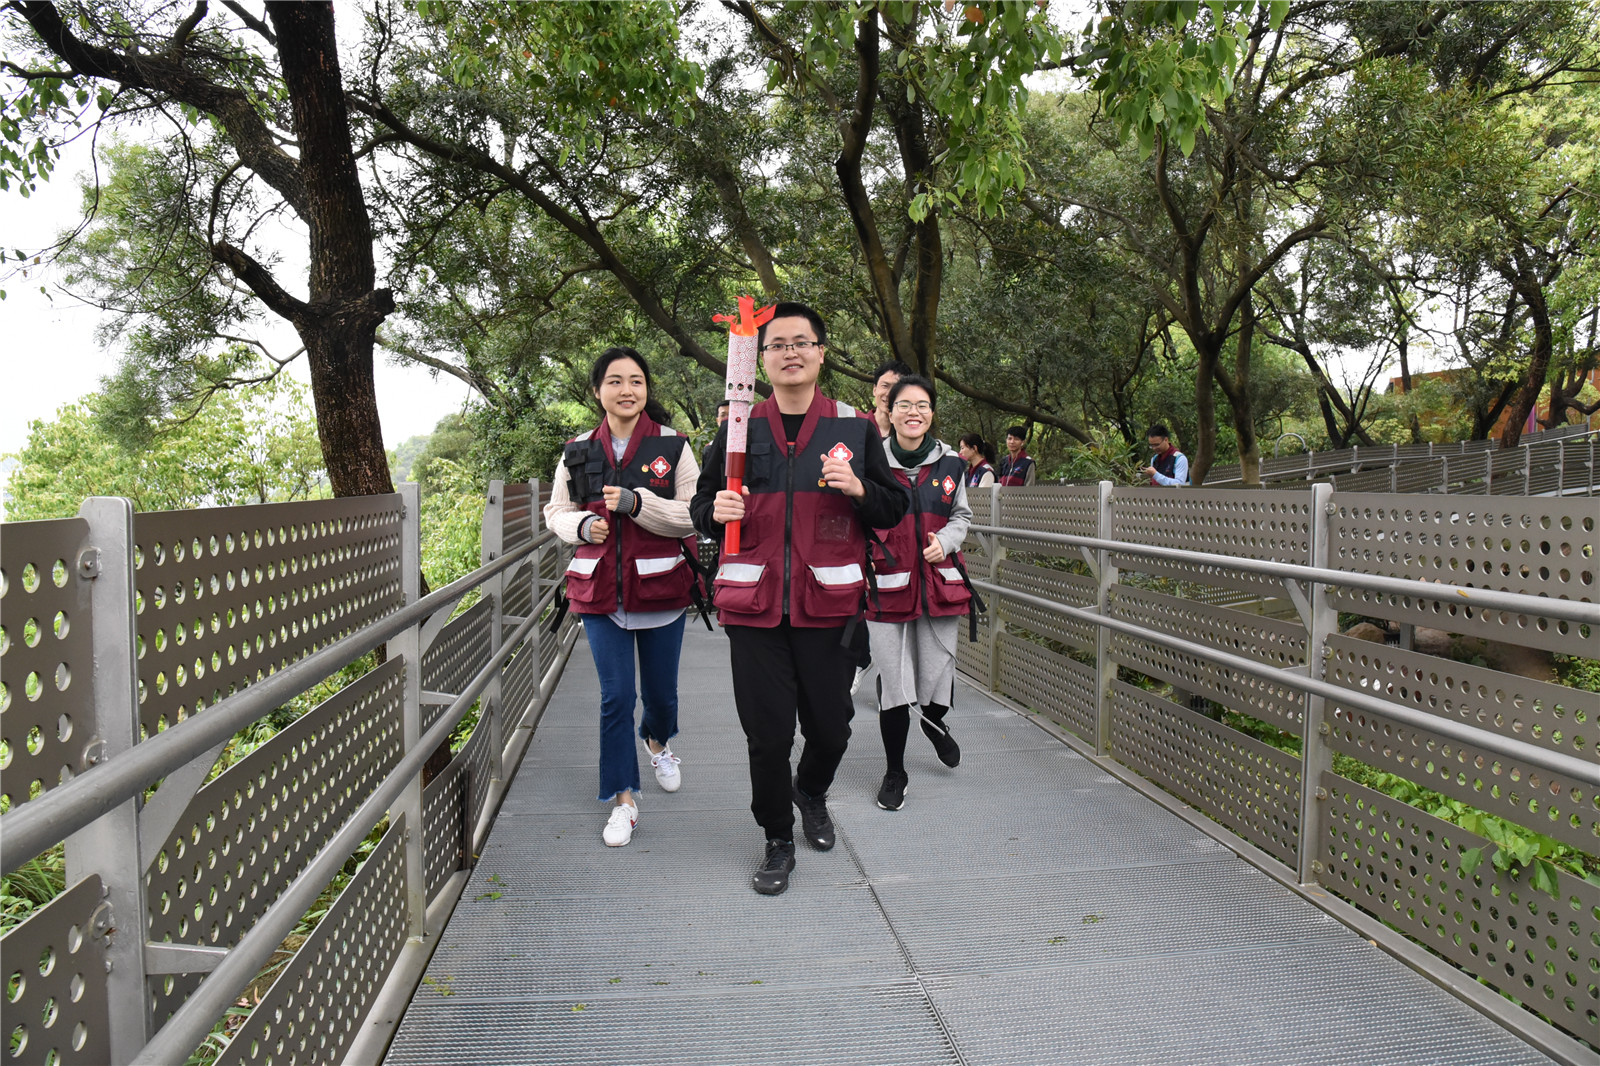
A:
(237, 448)
(1159, 66)
(1577, 672)
(452, 524)
(32, 885)
(580, 57)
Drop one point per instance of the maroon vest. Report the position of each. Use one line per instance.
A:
(802, 547)
(636, 568)
(1014, 472)
(914, 586)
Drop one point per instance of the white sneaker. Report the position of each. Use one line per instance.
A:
(861, 673)
(666, 765)
(619, 827)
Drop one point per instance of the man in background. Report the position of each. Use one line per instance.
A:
(1016, 466)
(1168, 466)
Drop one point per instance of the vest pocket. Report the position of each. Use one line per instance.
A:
(742, 588)
(947, 589)
(828, 592)
(583, 588)
(895, 594)
(664, 580)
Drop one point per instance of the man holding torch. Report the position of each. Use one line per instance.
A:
(812, 479)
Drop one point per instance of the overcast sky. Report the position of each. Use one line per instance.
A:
(50, 357)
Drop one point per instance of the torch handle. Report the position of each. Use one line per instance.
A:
(735, 471)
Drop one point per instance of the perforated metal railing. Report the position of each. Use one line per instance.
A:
(1134, 617)
(132, 649)
(1117, 612)
(1551, 462)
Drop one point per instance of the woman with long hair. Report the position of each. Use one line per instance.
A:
(979, 456)
(913, 626)
(621, 495)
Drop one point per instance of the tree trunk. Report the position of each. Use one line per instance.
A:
(1244, 425)
(340, 324)
(1205, 409)
(1531, 288)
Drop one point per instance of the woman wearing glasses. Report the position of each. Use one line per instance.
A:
(922, 592)
(621, 494)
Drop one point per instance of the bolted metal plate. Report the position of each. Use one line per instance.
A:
(1193, 672)
(1541, 546)
(46, 656)
(314, 1008)
(1267, 640)
(228, 595)
(1087, 914)
(1551, 716)
(1249, 523)
(864, 1024)
(1405, 866)
(1071, 509)
(1250, 787)
(457, 653)
(1074, 590)
(55, 965)
(1049, 682)
(1317, 1004)
(246, 835)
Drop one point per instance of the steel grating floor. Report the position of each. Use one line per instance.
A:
(1024, 908)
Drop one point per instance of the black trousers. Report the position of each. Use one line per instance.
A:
(780, 674)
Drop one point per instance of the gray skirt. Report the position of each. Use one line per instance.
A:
(916, 660)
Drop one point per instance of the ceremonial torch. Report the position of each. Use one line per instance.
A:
(741, 392)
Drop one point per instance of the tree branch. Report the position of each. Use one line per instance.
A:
(1003, 404)
(261, 282)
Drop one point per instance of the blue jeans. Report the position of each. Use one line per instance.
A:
(613, 650)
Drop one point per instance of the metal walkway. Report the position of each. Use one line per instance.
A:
(1024, 908)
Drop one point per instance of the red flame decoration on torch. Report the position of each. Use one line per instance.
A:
(740, 395)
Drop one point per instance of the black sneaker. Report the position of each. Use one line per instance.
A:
(944, 745)
(773, 877)
(892, 793)
(814, 819)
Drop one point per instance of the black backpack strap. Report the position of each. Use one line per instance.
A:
(695, 591)
(977, 606)
(561, 605)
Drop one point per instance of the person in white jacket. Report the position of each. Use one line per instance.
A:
(621, 494)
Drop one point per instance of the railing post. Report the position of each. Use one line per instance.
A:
(535, 568)
(996, 555)
(490, 703)
(109, 846)
(1105, 668)
(408, 645)
(1316, 756)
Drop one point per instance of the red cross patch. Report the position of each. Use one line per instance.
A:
(661, 468)
(841, 453)
(948, 485)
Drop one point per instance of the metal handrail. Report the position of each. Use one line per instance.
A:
(1554, 761)
(1490, 599)
(191, 1022)
(38, 824)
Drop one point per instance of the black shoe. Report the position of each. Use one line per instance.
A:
(892, 793)
(773, 877)
(944, 745)
(814, 819)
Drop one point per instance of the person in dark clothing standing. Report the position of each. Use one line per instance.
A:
(816, 477)
(1016, 466)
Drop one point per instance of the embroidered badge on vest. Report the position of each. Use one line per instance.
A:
(948, 484)
(661, 468)
(841, 453)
